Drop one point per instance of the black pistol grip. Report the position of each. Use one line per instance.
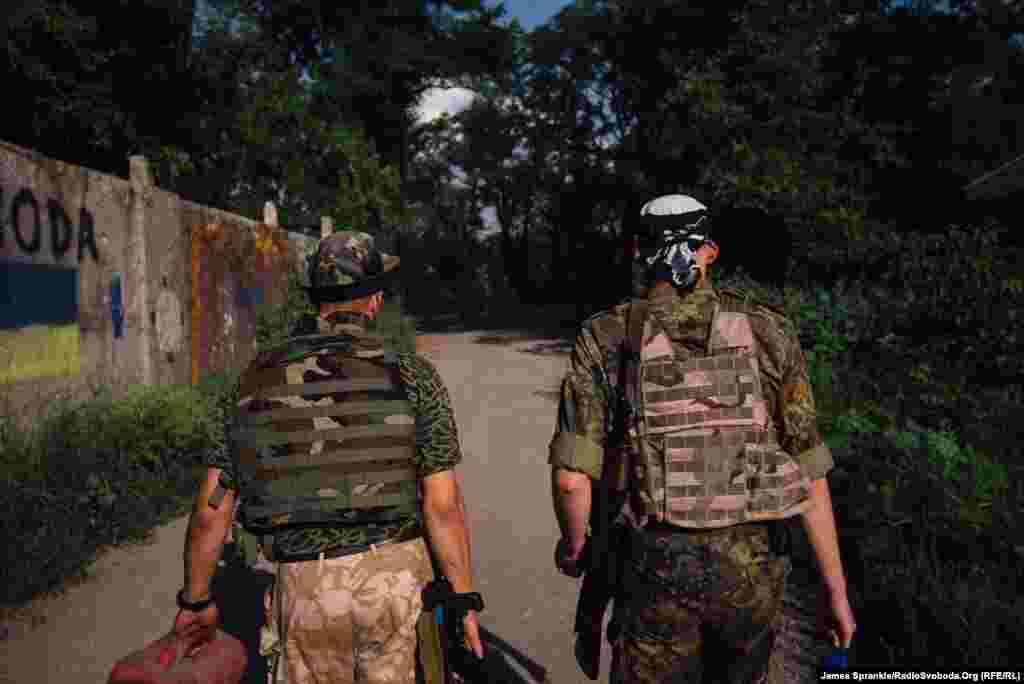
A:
(470, 601)
(438, 592)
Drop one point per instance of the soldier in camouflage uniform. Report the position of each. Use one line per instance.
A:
(343, 454)
(723, 449)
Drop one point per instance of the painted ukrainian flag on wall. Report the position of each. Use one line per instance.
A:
(39, 258)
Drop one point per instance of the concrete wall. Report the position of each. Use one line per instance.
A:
(190, 280)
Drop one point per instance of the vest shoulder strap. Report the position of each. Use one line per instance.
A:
(744, 301)
(635, 320)
(629, 369)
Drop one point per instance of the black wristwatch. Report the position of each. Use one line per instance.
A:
(194, 607)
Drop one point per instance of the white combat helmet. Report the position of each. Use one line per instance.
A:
(681, 225)
(673, 205)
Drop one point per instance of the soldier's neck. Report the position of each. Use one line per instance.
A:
(345, 321)
(662, 289)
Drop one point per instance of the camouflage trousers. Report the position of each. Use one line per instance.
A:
(347, 620)
(698, 606)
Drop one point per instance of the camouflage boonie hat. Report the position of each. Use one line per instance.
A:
(347, 265)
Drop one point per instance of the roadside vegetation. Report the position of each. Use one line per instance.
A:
(916, 376)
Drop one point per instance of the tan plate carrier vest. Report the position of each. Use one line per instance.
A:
(711, 456)
(325, 449)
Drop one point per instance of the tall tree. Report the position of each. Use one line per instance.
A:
(376, 58)
(93, 88)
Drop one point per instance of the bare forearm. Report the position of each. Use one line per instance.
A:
(820, 524)
(449, 540)
(571, 495)
(465, 523)
(203, 545)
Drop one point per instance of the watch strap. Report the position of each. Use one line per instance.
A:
(194, 606)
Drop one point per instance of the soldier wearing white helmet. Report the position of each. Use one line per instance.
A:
(692, 412)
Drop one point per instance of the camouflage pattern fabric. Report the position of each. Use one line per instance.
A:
(347, 258)
(324, 435)
(702, 606)
(586, 407)
(348, 619)
(436, 436)
(710, 457)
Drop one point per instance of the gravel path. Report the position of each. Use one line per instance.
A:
(504, 388)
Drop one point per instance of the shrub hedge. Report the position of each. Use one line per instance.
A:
(97, 473)
(916, 376)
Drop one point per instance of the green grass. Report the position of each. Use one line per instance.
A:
(395, 326)
(38, 351)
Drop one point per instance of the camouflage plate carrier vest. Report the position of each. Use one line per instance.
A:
(711, 457)
(326, 438)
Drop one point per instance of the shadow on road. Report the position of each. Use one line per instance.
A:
(562, 348)
(550, 395)
(530, 323)
(518, 667)
(239, 591)
(546, 348)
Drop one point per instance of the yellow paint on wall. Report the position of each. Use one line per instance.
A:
(39, 351)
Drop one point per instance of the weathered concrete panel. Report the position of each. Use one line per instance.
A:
(170, 292)
(162, 290)
(58, 216)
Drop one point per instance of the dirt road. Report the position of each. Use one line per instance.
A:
(503, 386)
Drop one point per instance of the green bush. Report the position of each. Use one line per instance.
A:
(222, 390)
(394, 326)
(919, 361)
(274, 324)
(95, 473)
(926, 564)
(944, 451)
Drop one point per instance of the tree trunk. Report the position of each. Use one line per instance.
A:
(186, 15)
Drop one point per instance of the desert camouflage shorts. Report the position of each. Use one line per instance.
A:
(349, 619)
(698, 607)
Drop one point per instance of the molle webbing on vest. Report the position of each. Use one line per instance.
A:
(740, 414)
(310, 389)
(713, 459)
(326, 441)
(778, 485)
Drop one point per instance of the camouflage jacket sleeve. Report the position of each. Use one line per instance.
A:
(437, 436)
(583, 408)
(788, 392)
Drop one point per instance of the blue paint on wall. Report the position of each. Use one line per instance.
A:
(36, 294)
(116, 310)
(250, 297)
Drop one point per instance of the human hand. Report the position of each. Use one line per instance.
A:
(835, 617)
(471, 632)
(197, 627)
(568, 556)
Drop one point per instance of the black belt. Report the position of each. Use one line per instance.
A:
(346, 549)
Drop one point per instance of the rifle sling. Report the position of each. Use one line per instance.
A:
(628, 384)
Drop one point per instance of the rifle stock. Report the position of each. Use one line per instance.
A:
(593, 601)
(600, 580)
